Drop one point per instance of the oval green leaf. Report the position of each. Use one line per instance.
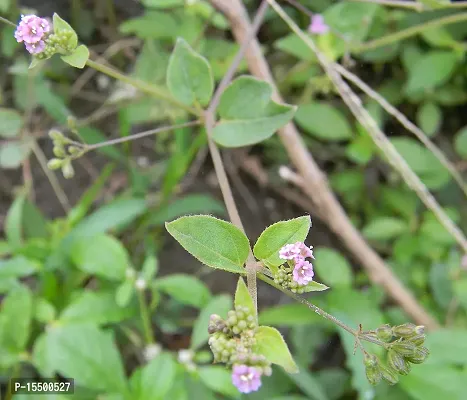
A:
(214, 242)
(243, 298)
(279, 234)
(271, 344)
(78, 58)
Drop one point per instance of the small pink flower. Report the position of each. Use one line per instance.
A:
(35, 48)
(318, 26)
(31, 29)
(246, 379)
(297, 251)
(303, 272)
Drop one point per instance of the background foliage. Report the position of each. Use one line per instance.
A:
(70, 280)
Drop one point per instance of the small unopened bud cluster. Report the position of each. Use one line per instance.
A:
(405, 347)
(65, 152)
(231, 342)
(297, 273)
(58, 43)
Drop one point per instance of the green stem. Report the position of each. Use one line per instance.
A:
(112, 16)
(7, 21)
(414, 5)
(145, 87)
(145, 319)
(406, 33)
(321, 312)
(140, 135)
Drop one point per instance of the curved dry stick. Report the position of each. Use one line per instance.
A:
(316, 184)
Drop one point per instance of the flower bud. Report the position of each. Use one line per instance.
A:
(419, 356)
(73, 150)
(370, 360)
(59, 151)
(389, 375)
(216, 324)
(405, 330)
(404, 348)
(418, 340)
(54, 163)
(67, 170)
(373, 374)
(384, 333)
(56, 135)
(398, 363)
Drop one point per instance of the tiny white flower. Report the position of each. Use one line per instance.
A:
(151, 351)
(140, 284)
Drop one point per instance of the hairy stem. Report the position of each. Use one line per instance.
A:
(140, 135)
(406, 33)
(145, 319)
(7, 21)
(414, 5)
(145, 87)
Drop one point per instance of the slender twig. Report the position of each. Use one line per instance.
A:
(6, 21)
(139, 135)
(145, 87)
(215, 154)
(61, 196)
(406, 33)
(378, 136)
(410, 126)
(145, 319)
(300, 7)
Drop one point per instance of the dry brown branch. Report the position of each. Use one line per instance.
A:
(316, 184)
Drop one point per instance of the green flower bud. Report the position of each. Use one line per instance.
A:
(73, 150)
(398, 363)
(56, 135)
(389, 375)
(405, 330)
(370, 360)
(54, 163)
(418, 340)
(419, 356)
(404, 348)
(384, 333)
(59, 151)
(67, 170)
(373, 374)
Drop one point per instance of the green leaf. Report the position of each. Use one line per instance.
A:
(248, 115)
(432, 173)
(332, 267)
(17, 267)
(151, 25)
(309, 385)
(218, 379)
(289, 315)
(277, 235)
(118, 212)
(95, 307)
(10, 123)
(447, 346)
(100, 255)
(60, 26)
(124, 293)
(243, 298)
(189, 76)
(323, 121)
(163, 3)
(385, 228)
(78, 58)
(271, 344)
(12, 154)
(431, 70)
(15, 319)
(460, 142)
(44, 311)
(429, 118)
(14, 222)
(154, 380)
(87, 354)
(214, 242)
(314, 286)
(189, 204)
(184, 288)
(218, 305)
(149, 269)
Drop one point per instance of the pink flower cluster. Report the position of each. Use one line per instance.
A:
(303, 270)
(246, 379)
(32, 31)
(318, 26)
